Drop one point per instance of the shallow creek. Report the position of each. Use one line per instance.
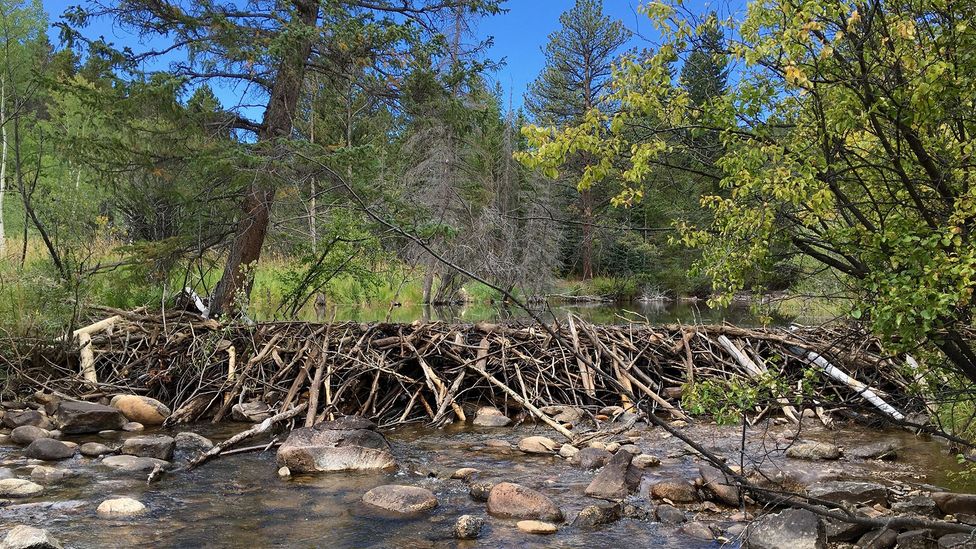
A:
(239, 501)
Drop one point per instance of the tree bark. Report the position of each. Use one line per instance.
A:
(3, 163)
(960, 353)
(279, 116)
(586, 247)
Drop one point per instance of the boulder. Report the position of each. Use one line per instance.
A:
(957, 541)
(811, 450)
(95, 449)
(617, 479)
(793, 528)
(536, 527)
(19, 488)
(509, 500)
(28, 537)
(479, 491)
(884, 450)
(675, 490)
(643, 461)
(18, 418)
(488, 416)
(74, 418)
(401, 499)
(151, 446)
(878, 539)
(133, 464)
(563, 414)
(951, 503)
(120, 507)
(593, 458)
(308, 450)
(592, 516)
(537, 445)
(25, 434)
(917, 539)
(141, 409)
(48, 449)
(719, 485)
(850, 492)
(346, 423)
(189, 445)
(918, 505)
(250, 412)
(669, 514)
(468, 527)
(43, 473)
(568, 451)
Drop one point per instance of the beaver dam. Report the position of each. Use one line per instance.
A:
(438, 435)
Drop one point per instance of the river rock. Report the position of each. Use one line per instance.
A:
(401, 499)
(844, 530)
(141, 409)
(793, 528)
(346, 423)
(479, 491)
(252, 412)
(592, 516)
(593, 458)
(48, 449)
(468, 527)
(957, 541)
(25, 434)
(19, 488)
(6, 473)
(951, 503)
(918, 505)
(43, 473)
(308, 450)
(669, 514)
(536, 527)
(697, 530)
(489, 416)
(563, 414)
(811, 450)
(917, 539)
(718, 484)
(95, 449)
(151, 446)
(498, 445)
(28, 537)
(878, 539)
(189, 445)
(75, 418)
(612, 447)
(643, 461)
(133, 427)
(464, 473)
(568, 451)
(850, 492)
(510, 500)
(537, 445)
(120, 507)
(676, 490)
(884, 450)
(18, 418)
(617, 479)
(133, 464)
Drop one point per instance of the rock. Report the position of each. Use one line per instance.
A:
(613, 447)
(253, 412)
(133, 427)
(308, 450)
(48, 449)
(75, 418)
(25, 434)
(468, 527)
(811, 450)
(842, 530)
(95, 449)
(597, 444)
(669, 514)
(141, 409)
(488, 416)
(643, 461)
(28, 537)
(120, 507)
(19, 488)
(346, 423)
(617, 479)
(884, 450)
(537, 445)
(563, 414)
(401, 499)
(509, 500)
(854, 493)
(592, 516)
(918, 505)
(568, 451)
(698, 530)
(6, 473)
(496, 444)
(951, 503)
(55, 434)
(133, 464)
(464, 473)
(878, 539)
(793, 528)
(43, 473)
(957, 541)
(536, 527)
(284, 472)
(676, 490)
(593, 458)
(917, 539)
(611, 411)
(189, 445)
(18, 418)
(718, 484)
(632, 448)
(480, 491)
(151, 446)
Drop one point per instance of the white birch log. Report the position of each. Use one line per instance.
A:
(863, 390)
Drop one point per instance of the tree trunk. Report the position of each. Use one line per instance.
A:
(586, 250)
(278, 119)
(960, 353)
(3, 163)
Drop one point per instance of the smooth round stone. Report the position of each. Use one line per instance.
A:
(19, 488)
(284, 472)
(464, 473)
(401, 499)
(536, 527)
(28, 537)
(120, 507)
(133, 427)
(468, 527)
(133, 464)
(95, 449)
(43, 473)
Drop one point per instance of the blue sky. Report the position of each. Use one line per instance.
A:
(519, 36)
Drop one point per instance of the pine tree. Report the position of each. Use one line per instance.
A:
(705, 73)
